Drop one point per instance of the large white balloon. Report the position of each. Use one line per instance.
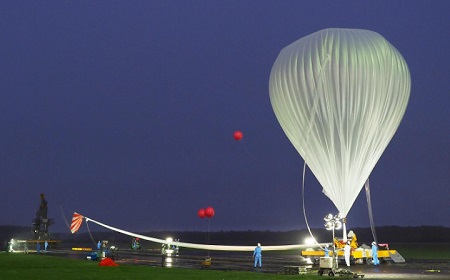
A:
(339, 95)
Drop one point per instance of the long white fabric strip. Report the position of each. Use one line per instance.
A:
(208, 247)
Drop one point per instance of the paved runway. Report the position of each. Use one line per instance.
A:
(272, 263)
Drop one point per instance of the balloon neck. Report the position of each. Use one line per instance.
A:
(344, 230)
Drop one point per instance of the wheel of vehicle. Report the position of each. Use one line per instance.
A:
(320, 272)
(331, 273)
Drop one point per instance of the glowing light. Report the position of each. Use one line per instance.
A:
(310, 241)
(169, 262)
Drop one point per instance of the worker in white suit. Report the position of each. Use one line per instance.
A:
(347, 252)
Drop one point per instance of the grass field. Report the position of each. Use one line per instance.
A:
(423, 251)
(33, 266)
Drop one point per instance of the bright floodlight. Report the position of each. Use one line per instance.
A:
(328, 217)
(333, 222)
(309, 241)
(169, 239)
(329, 225)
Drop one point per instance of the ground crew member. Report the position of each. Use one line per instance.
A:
(347, 252)
(257, 256)
(375, 253)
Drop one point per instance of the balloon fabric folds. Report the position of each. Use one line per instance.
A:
(340, 95)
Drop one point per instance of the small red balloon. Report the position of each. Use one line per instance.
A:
(201, 213)
(209, 212)
(238, 135)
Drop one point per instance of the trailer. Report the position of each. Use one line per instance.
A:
(358, 256)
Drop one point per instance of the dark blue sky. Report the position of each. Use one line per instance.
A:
(124, 111)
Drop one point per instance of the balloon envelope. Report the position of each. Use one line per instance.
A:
(201, 213)
(209, 212)
(339, 95)
(237, 135)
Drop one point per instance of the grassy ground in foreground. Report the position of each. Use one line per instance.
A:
(33, 266)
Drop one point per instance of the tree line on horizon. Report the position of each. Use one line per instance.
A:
(385, 234)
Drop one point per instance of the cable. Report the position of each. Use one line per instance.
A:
(303, 202)
(64, 216)
(92, 238)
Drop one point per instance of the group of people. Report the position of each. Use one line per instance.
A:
(348, 249)
(38, 246)
(257, 254)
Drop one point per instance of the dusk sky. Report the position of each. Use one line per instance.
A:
(124, 111)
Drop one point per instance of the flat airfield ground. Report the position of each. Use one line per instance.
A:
(272, 263)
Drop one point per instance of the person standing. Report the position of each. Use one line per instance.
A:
(104, 249)
(257, 256)
(326, 251)
(375, 253)
(10, 246)
(347, 252)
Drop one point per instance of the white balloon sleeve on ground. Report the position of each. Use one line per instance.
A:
(205, 246)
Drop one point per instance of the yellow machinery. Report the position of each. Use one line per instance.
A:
(339, 243)
(206, 263)
(360, 255)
